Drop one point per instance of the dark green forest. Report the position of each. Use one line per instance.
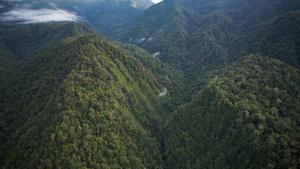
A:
(244, 118)
(182, 84)
(80, 97)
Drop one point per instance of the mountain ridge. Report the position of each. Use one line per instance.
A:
(83, 77)
(213, 84)
(234, 122)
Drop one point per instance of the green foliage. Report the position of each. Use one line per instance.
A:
(278, 38)
(171, 79)
(24, 40)
(202, 37)
(70, 99)
(81, 103)
(247, 117)
(185, 30)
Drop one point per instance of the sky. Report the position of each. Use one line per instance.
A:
(156, 1)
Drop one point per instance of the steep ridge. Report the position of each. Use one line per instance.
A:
(73, 100)
(279, 38)
(170, 78)
(80, 103)
(201, 37)
(170, 27)
(19, 42)
(247, 117)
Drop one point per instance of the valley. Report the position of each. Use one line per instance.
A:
(182, 84)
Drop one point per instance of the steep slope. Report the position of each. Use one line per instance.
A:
(170, 78)
(19, 42)
(247, 117)
(201, 37)
(80, 103)
(184, 31)
(279, 38)
(70, 99)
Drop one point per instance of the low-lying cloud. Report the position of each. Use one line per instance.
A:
(27, 16)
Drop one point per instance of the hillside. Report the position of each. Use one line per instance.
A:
(80, 103)
(173, 27)
(22, 41)
(279, 38)
(26, 39)
(247, 117)
(201, 38)
(188, 84)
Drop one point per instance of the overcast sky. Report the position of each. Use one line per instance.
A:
(156, 1)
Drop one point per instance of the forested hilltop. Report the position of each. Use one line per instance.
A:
(183, 84)
(78, 103)
(247, 117)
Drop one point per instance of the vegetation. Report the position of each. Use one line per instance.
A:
(81, 103)
(200, 38)
(172, 79)
(247, 117)
(278, 38)
(213, 84)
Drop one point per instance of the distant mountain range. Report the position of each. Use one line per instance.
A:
(105, 15)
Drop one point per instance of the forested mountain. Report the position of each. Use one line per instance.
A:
(25, 39)
(175, 27)
(201, 37)
(279, 38)
(214, 84)
(81, 102)
(247, 117)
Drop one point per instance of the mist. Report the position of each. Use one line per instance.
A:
(26, 16)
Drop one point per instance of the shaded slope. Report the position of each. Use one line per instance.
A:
(26, 39)
(247, 117)
(279, 38)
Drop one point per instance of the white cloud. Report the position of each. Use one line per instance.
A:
(38, 16)
(1, 6)
(156, 1)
